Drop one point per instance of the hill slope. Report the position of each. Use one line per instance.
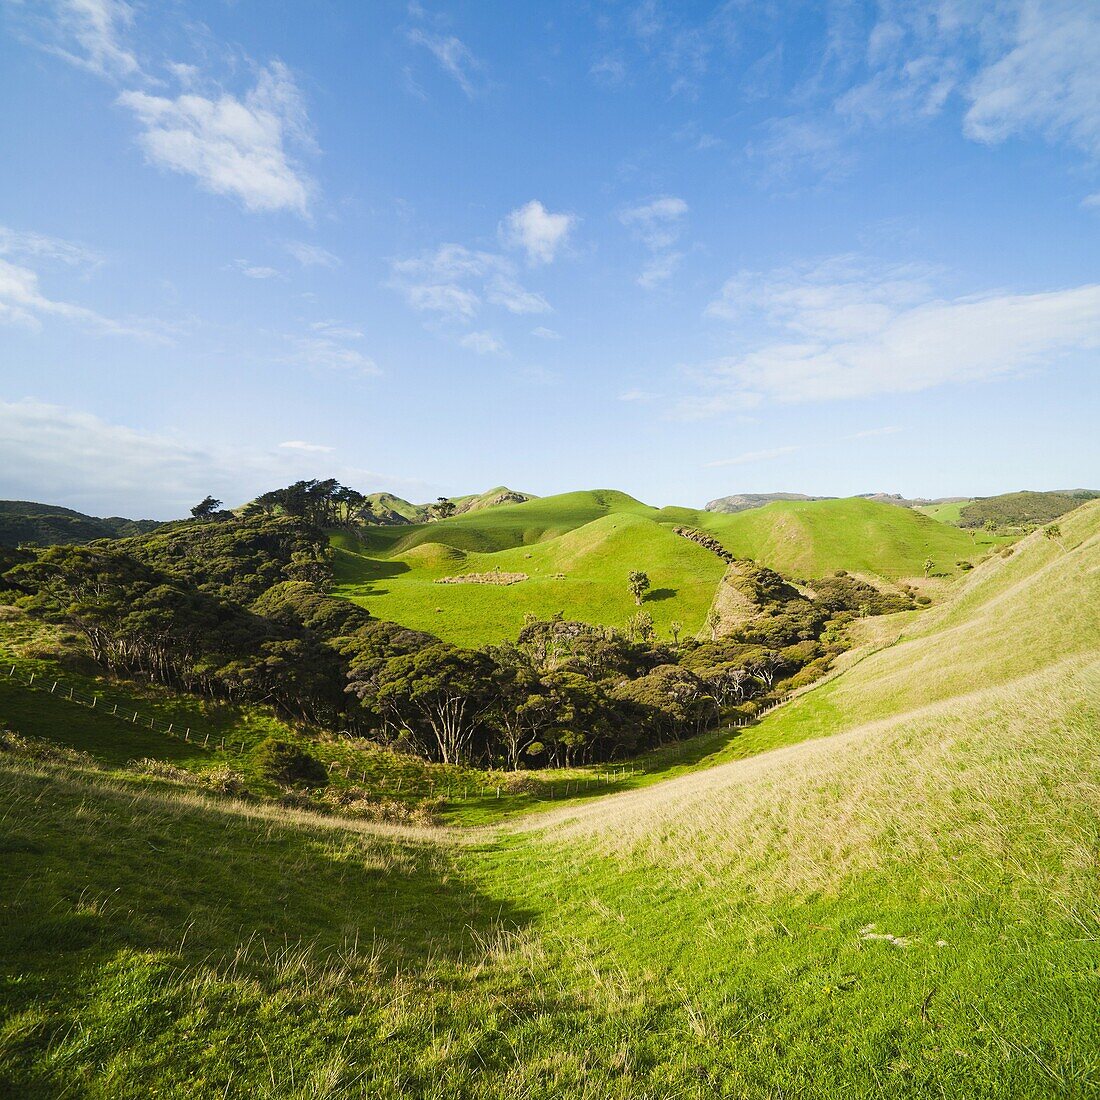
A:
(577, 550)
(25, 522)
(903, 906)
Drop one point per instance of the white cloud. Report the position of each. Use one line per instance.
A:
(638, 395)
(89, 34)
(538, 232)
(1048, 82)
(257, 271)
(453, 56)
(845, 331)
(504, 291)
(608, 71)
(326, 353)
(454, 282)
(307, 448)
(800, 146)
(484, 343)
(15, 242)
(657, 222)
(751, 456)
(23, 303)
(311, 255)
(64, 456)
(237, 147)
(337, 330)
(660, 269)
(544, 333)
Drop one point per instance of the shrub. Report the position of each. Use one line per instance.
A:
(223, 780)
(924, 601)
(160, 769)
(286, 763)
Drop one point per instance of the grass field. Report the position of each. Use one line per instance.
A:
(945, 513)
(898, 900)
(578, 549)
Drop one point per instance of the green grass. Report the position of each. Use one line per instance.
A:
(945, 513)
(578, 549)
(888, 888)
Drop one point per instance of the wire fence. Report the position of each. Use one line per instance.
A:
(450, 790)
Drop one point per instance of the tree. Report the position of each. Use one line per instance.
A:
(640, 626)
(206, 508)
(639, 585)
(437, 695)
(714, 621)
(1053, 533)
(443, 509)
(675, 627)
(928, 565)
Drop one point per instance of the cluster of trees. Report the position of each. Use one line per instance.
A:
(239, 609)
(322, 503)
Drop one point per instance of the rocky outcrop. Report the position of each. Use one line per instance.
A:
(707, 542)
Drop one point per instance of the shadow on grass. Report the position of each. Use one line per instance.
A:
(657, 594)
(364, 573)
(98, 869)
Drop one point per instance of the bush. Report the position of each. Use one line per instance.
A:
(160, 769)
(224, 780)
(965, 565)
(924, 601)
(286, 763)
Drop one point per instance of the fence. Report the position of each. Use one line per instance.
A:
(549, 791)
(123, 713)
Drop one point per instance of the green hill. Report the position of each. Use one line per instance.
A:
(26, 523)
(1020, 509)
(577, 550)
(898, 900)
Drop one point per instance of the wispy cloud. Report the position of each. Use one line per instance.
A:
(751, 456)
(326, 352)
(245, 148)
(22, 302)
(538, 232)
(15, 242)
(454, 57)
(845, 330)
(453, 282)
(89, 34)
(66, 456)
(544, 333)
(256, 271)
(311, 255)
(657, 224)
(484, 343)
(638, 395)
(307, 448)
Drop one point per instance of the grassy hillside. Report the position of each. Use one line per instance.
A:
(903, 905)
(950, 512)
(578, 549)
(1019, 509)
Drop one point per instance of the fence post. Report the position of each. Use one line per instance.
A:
(205, 740)
(12, 673)
(498, 792)
(31, 680)
(170, 725)
(134, 719)
(54, 688)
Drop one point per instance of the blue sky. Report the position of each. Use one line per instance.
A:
(679, 249)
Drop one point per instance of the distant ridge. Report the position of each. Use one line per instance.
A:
(389, 510)
(742, 502)
(28, 523)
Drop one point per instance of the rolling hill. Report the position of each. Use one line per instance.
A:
(25, 522)
(899, 899)
(577, 550)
